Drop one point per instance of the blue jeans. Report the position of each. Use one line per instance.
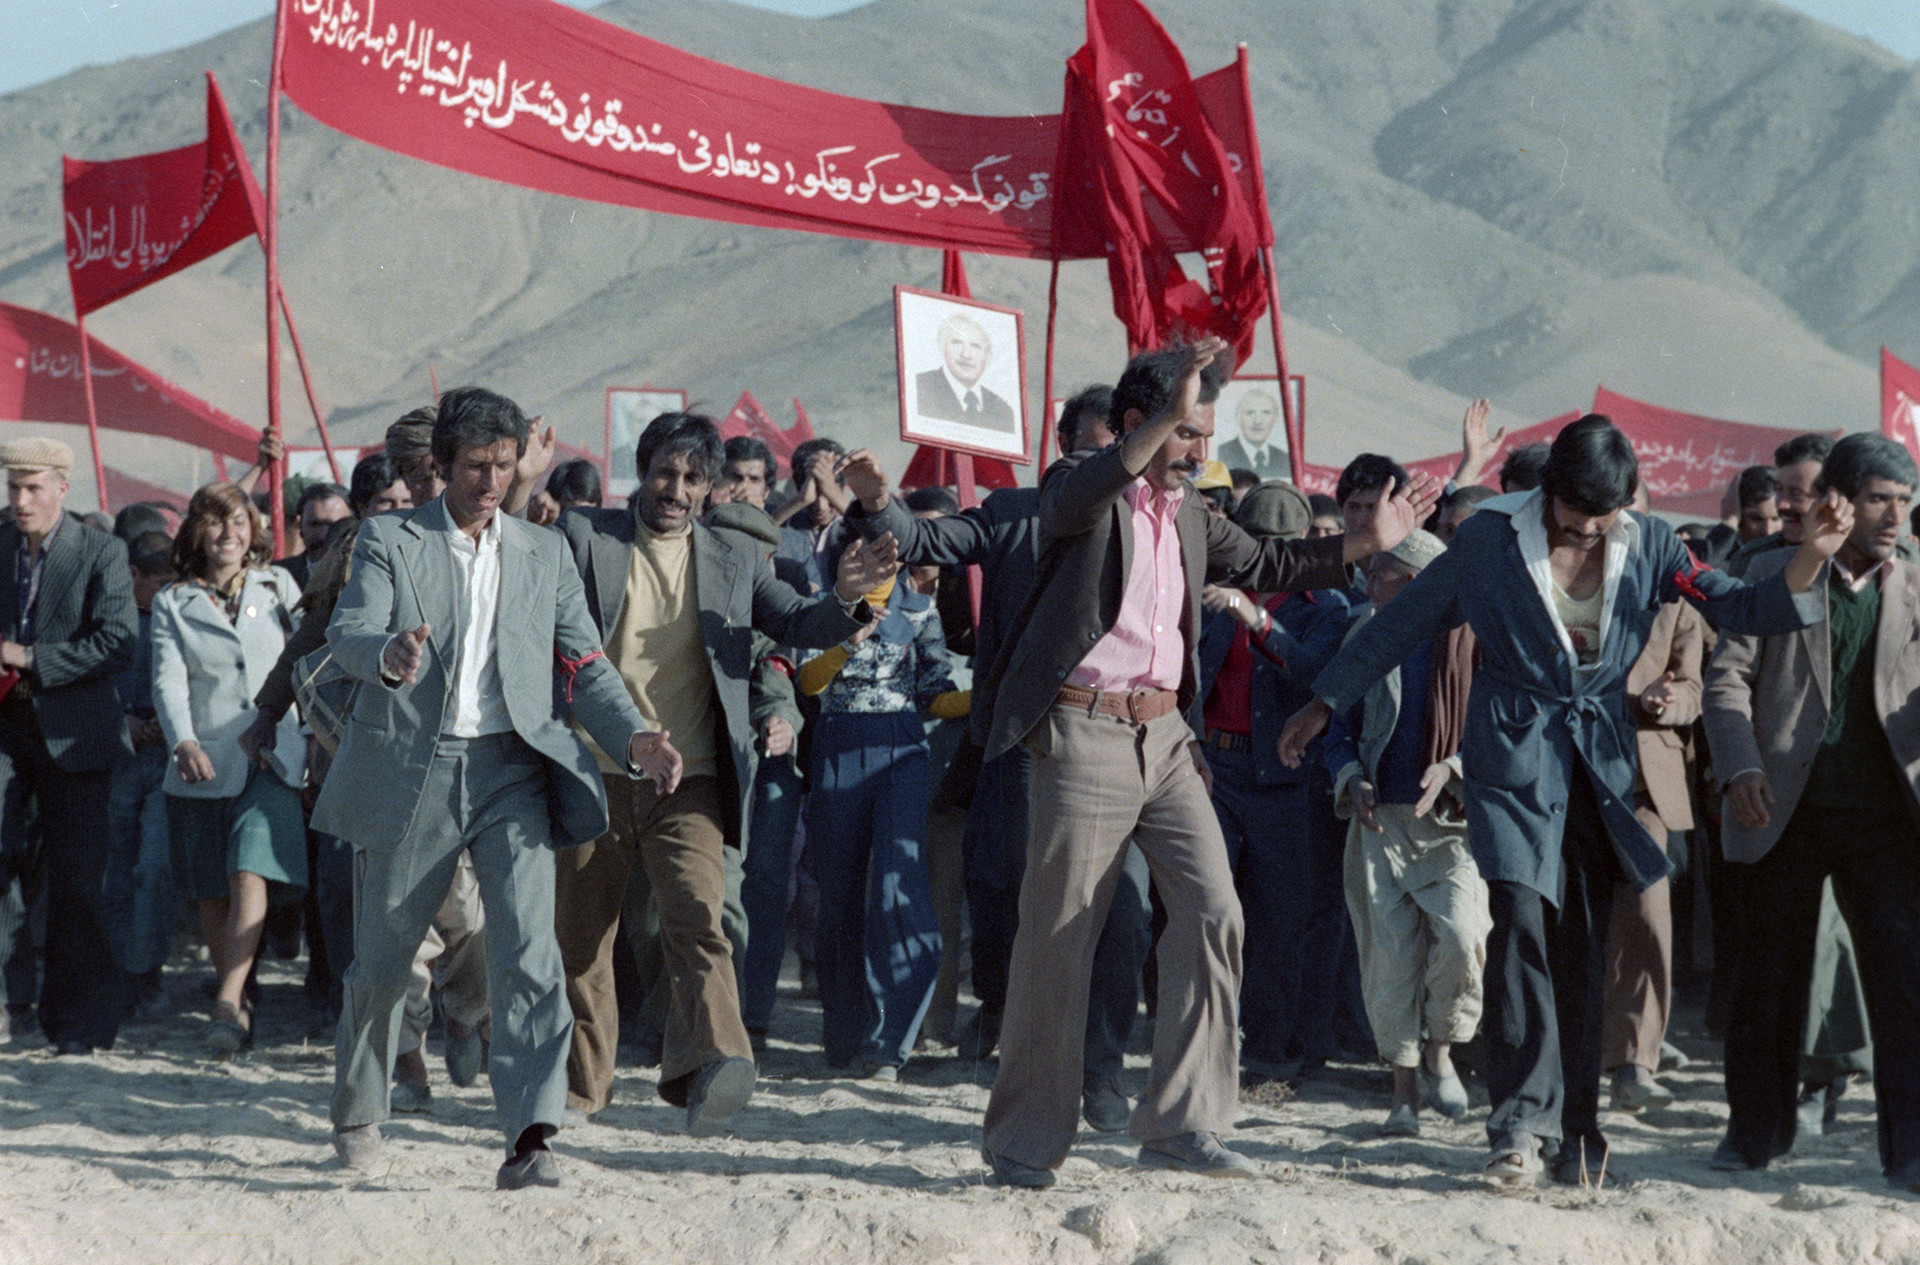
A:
(763, 891)
(877, 946)
(1266, 829)
(140, 903)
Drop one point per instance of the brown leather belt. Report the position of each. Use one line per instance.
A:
(1138, 706)
(1226, 741)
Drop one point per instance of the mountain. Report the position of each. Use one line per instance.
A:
(1710, 204)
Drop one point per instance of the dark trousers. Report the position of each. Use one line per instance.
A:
(1266, 833)
(83, 992)
(1873, 857)
(764, 885)
(1546, 970)
(996, 859)
(878, 945)
(332, 892)
(1333, 1013)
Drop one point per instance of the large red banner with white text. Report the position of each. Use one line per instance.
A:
(40, 382)
(539, 94)
(132, 221)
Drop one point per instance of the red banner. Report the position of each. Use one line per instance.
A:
(132, 221)
(40, 382)
(1140, 166)
(538, 94)
(1686, 460)
(748, 418)
(1900, 402)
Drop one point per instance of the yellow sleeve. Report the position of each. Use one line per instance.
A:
(817, 673)
(952, 705)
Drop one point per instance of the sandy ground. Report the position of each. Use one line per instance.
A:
(153, 1154)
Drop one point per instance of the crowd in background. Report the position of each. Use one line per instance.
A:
(839, 805)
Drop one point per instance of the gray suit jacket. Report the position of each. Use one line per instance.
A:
(85, 633)
(1767, 700)
(738, 593)
(403, 577)
(1086, 553)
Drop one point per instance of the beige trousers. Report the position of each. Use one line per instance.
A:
(1420, 922)
(1096, 783)
(454, 955)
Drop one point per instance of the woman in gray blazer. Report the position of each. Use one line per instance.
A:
(235, 824)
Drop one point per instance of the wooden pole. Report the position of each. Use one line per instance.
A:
(1046, 393)
(271, 241)
(1296, 425)
(306, 379)
(93, 418)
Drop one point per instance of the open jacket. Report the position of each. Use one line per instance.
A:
(1531, 715)
(403, 577)
(1768, 698)
(1086, 554)
(738, 594)
(1674, 644)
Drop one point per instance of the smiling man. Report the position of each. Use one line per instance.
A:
(677, 604)
(455, 621)
(952, 393)
(1561, 586)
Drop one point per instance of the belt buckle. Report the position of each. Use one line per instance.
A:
(1133, 704)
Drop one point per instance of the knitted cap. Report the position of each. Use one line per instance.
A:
(1418, 550)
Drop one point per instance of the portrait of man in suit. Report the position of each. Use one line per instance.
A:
(1255, 416)
(953, 392)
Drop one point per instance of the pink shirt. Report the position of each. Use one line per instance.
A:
(1144, 649)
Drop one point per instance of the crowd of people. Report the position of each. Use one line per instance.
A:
(1442, 777)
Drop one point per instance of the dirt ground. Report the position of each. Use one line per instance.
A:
(153, 1154)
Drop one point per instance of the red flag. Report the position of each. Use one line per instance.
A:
(132, 221)
(750, 419)
(1142, 172)
(40, 382)
(1900, 402)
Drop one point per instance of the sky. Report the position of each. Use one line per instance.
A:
(47, 38)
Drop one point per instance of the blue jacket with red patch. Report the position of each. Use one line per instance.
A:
(1533, 710)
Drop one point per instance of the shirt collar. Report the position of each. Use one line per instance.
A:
(960, 389)
(1142, 495)
(1878, 571)
(489, 536)
(26, 546)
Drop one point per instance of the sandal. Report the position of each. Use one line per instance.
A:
(1517, 1162)
(225, 1033)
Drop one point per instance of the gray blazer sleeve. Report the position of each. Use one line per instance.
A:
(172, 703)
(813, 623)
(1421, 611)
(362, 618)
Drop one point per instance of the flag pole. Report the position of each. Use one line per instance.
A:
(306, 380)
(1296, 426)
(93, 417)
(1046, 393)
(271, 241)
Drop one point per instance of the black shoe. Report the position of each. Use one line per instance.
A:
(1104, 1107)
(537, 1167)
(719, 1090)
(1727, 1159)
(73, 1046)
(1008, 1172)
(981, 1035)
(1574, 1162)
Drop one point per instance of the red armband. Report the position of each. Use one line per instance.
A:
(572, 667)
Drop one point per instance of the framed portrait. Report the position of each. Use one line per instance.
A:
(1249, 432)
(311, 463)
(629, 409)
(963, 374)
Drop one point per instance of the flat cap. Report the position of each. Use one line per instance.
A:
(1274, 509)
(747, 519)
(36, 453)
(1418, 550)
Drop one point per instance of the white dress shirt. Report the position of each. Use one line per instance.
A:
(479, 700)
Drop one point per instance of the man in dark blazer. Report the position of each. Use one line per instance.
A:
(952, 393)
(1001, 537)
(69, 626)
(1095, 683)
(1817, 744)
(1560, 586)
(677, 605)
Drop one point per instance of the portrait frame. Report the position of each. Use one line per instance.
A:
(1242, 392)
(629, 409)
(918, 318)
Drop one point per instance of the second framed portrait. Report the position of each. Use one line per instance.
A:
(629, 409)
(1247, 430)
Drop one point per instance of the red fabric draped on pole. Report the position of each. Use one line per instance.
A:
(748, 418)
(40, 382)
(132, 221)
(538, 94)
(1142, 173)
(1900, 402)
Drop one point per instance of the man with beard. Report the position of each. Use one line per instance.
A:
(1560, 586)
(1814, 740)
